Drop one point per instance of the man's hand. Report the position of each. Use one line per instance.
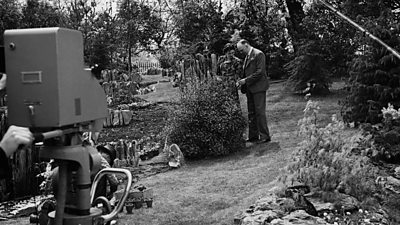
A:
(240, 82)
(14, 137)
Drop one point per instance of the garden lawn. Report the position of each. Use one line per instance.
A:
(213, 191)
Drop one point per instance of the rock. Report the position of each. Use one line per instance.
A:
(237, 220)
(380, 218)
(322, 207)
(297, 194)
(397, 172)
(346, 203)
(389, 183)
(259, 218)
(301, 217)
(286, 204)
(277, 221)
(299, 188)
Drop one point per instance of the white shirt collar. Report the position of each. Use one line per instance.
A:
(251, 49)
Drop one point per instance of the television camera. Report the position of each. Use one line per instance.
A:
(49, 91)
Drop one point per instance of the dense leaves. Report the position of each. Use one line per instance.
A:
(307, 72)
(327, 159)
(10, 16)
(209, 121)
(374, 80)
(139, 26)
(39, 14)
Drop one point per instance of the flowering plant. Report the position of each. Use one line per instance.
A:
(390, 113)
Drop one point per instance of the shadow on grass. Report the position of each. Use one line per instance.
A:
(255, 150)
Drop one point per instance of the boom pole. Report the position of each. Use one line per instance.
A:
(393, 51)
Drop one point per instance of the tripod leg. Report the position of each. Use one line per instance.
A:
(61, 194)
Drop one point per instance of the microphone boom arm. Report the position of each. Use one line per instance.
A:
(393, 51)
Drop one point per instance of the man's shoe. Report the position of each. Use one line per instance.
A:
(265, 140)
(252, 140)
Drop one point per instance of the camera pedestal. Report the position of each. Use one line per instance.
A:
(93, 218)
(73, 187)
(75, 191)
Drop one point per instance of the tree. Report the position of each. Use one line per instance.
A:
(80, 15)
(103, 41)
(39, 14)
(295, 17)
(200, 22)
(325, 39)
(262, 24)
(139, 27)
(374, 80)
(10, 16)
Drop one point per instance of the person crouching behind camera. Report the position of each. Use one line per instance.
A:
(107, 184)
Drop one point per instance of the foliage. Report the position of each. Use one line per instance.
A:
(166, 59)
(208, 122)
(374, 79)
(324, 46)
(334, 35)
(362, 217)
(262, 24)
(103, 47)
(153, 71)
(307, 68)
(199, 21)
(139, 27)
(327, 159)
(10, 16)
(39, 14)
(386, 137)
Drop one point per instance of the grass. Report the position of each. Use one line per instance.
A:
(213, 191)
(164, 90)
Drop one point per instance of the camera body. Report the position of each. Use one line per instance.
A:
(47, 85)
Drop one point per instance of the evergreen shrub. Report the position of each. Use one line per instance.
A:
(385, 136)
(374, 77)
(208, 121)
(307, 73)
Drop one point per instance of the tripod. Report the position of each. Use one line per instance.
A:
(74, 198)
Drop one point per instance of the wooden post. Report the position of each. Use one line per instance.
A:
(182, 65)
(213, 65)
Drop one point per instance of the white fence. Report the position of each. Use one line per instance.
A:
(144, 66)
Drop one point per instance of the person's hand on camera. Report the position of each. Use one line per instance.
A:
(3, 84)
(14, 137)
(3, 81)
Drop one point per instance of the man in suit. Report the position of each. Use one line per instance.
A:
(255, 83)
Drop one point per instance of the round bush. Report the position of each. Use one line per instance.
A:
(209, 121)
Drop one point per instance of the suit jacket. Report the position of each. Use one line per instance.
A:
(255, 72)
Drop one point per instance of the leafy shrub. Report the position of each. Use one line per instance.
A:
(327, 159)
(386, 136)
(153, 71)
(307, 69)
(208, 121)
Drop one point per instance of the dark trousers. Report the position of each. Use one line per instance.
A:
(256, 106)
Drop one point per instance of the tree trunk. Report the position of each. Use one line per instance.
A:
(296, 16)
(129, 58)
